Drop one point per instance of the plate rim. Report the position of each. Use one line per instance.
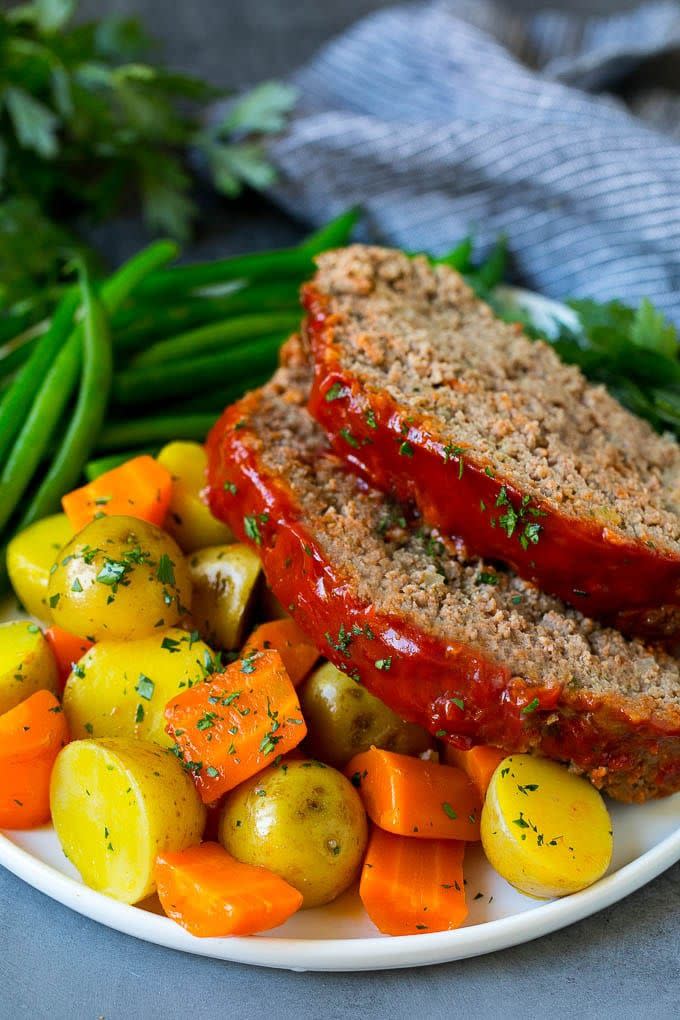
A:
(376, 952)
(349, 954)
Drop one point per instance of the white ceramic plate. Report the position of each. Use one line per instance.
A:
(340, 936)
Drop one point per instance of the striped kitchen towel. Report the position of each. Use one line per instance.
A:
(454, 117)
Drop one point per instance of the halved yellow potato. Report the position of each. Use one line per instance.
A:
(121, 688)
(224, 579)
(30, 555)
(545, 830)
(119, 578)
(26, 663)
(115, 805)
(189, 519)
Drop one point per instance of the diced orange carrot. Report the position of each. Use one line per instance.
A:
(31, 735)
(410, 886)
(292, 644)
(411, 797)
(140, 487)
(67, 649)
(236, 723)
(479, 763)
(211, 894)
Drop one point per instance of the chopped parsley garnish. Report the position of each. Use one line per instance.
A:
(139, 714)
(76, 586)
(369, 418)
(166, 570)
(145, 687)
(252, 529)
(335, 392)
(54, 600)
(207, 721)
(405, 449)
(171, 645)
(212, 772)
(383, 664)
(448, 811)
(349, 438)
(230, 487)
(111, 573)
(485, 577)
(459, 703)
(531, 707)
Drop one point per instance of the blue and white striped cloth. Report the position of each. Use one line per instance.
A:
(454, 117)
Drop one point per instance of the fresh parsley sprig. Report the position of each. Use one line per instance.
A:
(88, 125)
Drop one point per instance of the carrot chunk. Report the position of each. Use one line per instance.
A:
(210, 893)
(411, 886)
(31, 735)
(297, 652)
(411, 797)
(236, 723)
(67, 648)
(140, 487)
(478, 763)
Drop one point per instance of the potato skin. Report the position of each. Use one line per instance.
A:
(117, 803)
(26, 663)
(224, 579)
(343, 719)
(30, 555)
(121, 688)
(302, 820)
(545, 830)
(119, 578)
(189, 520)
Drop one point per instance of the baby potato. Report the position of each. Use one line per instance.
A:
(119, 578)
(343, 718)
(189, 520)
(121, 688)
(26, 663)
(224, 579)
(545, 830)
(302, 820)
(115, 805)
(30, 555)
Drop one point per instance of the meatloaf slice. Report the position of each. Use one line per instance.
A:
(437, 401)
(467, 650)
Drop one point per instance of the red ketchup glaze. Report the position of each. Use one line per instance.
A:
(625, 583)
(428, 679)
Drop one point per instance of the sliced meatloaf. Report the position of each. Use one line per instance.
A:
(451, 642)
(437, 401)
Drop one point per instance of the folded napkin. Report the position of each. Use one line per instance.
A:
(454, 117)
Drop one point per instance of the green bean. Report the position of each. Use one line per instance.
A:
(58, 384)
(140, 323)
(89, 412)
(94, 468)
(148, 431)
(333, 234)
(269, 265)
(177, 378)
(17, 400)
(217, 400)
(216, 337)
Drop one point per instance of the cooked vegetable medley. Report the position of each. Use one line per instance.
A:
(185, 687)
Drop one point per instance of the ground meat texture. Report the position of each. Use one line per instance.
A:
(465, 648)
(438, 402)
